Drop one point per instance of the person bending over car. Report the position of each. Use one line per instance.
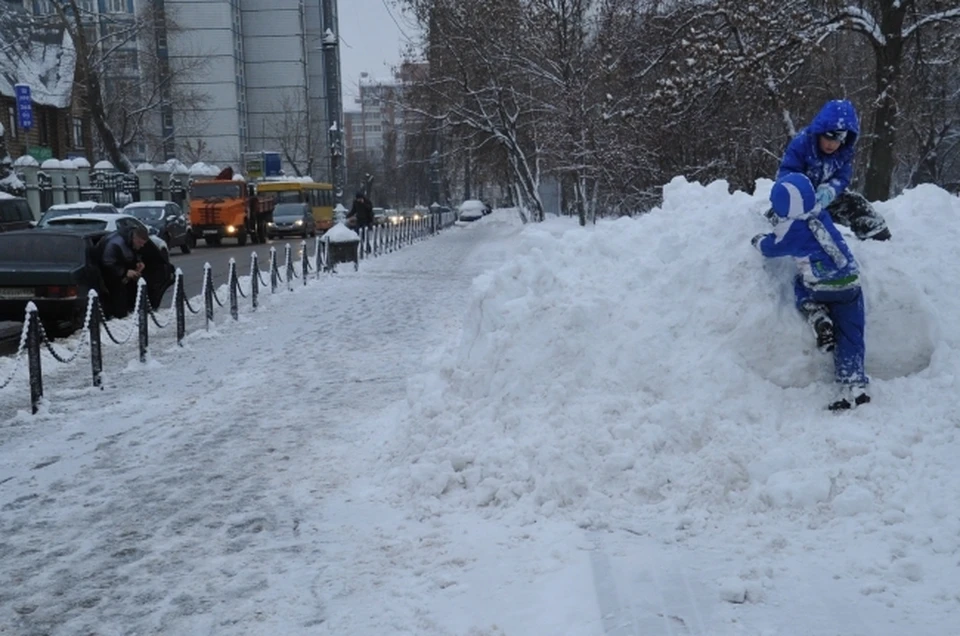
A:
(122, 267)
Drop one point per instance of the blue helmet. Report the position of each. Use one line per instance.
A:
(793, 195)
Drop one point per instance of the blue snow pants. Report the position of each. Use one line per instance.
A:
(845, 307)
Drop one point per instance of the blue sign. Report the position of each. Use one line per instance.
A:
(24, 106)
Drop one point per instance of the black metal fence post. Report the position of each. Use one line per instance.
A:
(179, 306)
(232, 283)
(288, 265)
(304, 262)
(96, 352)
(274, 272)
(33, 358)
(142, 315)
(254, 279)
(317, 260)
(208, 294)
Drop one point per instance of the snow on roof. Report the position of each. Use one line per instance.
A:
(144, 204)
(85, 205)
(290, 179)
(43, 58)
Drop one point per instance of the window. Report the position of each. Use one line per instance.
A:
(77, 132)
(86, 6)
(116, 6)
(12, 116)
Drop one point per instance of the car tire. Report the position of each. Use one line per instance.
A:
(185, 248)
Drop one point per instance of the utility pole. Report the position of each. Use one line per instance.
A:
(331, 75)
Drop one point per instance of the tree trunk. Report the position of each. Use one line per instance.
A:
(889, 56)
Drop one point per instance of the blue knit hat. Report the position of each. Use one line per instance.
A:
(793, 195)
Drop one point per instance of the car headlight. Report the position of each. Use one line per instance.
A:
(298, 222)
(416, 217)
(231, 229)
(269, 223)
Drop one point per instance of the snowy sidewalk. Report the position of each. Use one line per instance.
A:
(189, 497)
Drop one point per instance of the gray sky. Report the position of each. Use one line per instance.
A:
(371, 39)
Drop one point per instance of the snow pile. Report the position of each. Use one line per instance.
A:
(654, 372)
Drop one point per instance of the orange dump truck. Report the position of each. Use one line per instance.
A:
(224, 208)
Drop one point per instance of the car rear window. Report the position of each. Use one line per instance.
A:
(86, 224)
(38, 246)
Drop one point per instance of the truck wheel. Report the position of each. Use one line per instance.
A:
(242, 238)
(262, 231)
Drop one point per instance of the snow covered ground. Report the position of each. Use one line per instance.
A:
(509, 431)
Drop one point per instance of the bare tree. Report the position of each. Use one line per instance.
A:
(296, 133)
(125, 102)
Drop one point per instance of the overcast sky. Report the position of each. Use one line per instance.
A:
(373, 34)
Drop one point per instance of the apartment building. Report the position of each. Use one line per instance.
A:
(264, 80)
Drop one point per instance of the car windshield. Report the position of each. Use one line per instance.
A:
(225, 190)
(287, 211)
(145, 213)
(73, 222)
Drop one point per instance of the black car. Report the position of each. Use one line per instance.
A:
(291, 219)
(15, 213)
(168, 220)
(55, 269)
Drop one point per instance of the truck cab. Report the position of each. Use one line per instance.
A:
(229, 208)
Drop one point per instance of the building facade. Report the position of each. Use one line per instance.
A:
(61, 127)
(264, 80)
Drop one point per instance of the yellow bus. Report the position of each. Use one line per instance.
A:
(319, 196)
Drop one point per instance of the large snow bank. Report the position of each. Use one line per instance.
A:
(654, 372)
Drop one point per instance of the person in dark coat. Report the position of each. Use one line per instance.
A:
(361, 213)
(121, 267)
(824, 152)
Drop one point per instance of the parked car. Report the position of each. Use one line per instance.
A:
(55, 268)
(292, 219)
(15, 213)
(80, 207)
(167, 219)
(380, 216)
(104, 223)
(472, 209)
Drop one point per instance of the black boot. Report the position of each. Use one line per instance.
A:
(826, 337)
(818, 318)
(851, 396)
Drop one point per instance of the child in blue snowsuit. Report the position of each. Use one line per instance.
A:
(828, 286)
(824, 152)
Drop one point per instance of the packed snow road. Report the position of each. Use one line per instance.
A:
(188, 496)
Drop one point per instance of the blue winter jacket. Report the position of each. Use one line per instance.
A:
(824, 259)
(803, 152)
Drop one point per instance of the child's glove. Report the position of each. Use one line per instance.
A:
(755, 241)
(825, 195)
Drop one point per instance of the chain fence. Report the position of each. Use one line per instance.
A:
(372, 242)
